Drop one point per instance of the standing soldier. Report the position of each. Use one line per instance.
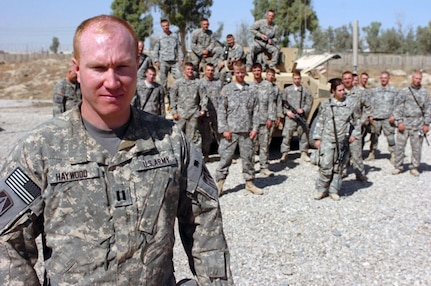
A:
(270, 76)
(208, 124)
(363, 108)
(412, 116)
(100, 190)
(382, 110)
(336, 122)
(203, 45)
(266, 115)
(300, 100)
(188, 102)
(238, 121)
(67, 93)
(168, 55)
(266, 39)
(150, 95)
(144, 61)
(232, 52)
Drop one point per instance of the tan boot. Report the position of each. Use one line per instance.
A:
(320, 195)
(305, 157)
(250, 186)
(334, 196)
(284, 157)
(371, 156)
(266, 172)
(220, 184)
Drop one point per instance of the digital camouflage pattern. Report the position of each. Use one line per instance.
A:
(167, 51)
(187, 98)
(382, 108)
(144, 63)
(208, 123)
(343, 114)
(409, 112)
(361, 102)
(267, 111)
(109, 219)
(298, 97)
(66, 96)
(202, 40)
(271, 31)
(150, 98)
(238, 113)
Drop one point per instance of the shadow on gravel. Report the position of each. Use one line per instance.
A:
(259, 182)
(350, 187)
(424, 167)
(369, 169)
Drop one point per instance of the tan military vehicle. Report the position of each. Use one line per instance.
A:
(312, 68)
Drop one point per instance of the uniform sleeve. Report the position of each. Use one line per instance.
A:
(156, 51)
(399, 106)
(203, 97)
(254, 29)
(173, 93)
(194, 44)
(320, 123)
(18, 249)
(272, 104)
(308, 101)
(255, 117)
(200, 224)
(222, 111)
(58, 99)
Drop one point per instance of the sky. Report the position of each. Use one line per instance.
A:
(30, 25)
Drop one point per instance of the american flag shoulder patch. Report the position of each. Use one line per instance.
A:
(23, 186)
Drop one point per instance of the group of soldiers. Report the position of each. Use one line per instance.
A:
(235, 113)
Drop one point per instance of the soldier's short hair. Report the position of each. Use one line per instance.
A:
(151, 68)
(296, 73)
(229, 36)
(163, 21)
(256, 65)
(188, 64)
(238, 65)
(270, 70)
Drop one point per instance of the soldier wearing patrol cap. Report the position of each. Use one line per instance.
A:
(105, 182)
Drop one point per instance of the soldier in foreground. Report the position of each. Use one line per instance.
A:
(300, 99)
(266, 115)
(67, 93)
(382, 109)
(337, 125)
(238, 121)
(412, 116)
(150, 95)
(105, 182)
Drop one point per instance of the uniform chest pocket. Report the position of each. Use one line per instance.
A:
(155, 182)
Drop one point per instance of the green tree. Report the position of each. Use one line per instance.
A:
(391, 42)
(423, 39)
(299, 14)
(185, 14)
(343, 40)
(372, 36)
(54, 45)
(136, 13)
(242, 34)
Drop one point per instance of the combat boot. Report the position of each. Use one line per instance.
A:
(250, 186)
(284, 157)
(397, 171)
(371, 156)
(220, 184)
(266, 172)
(320, 195)
(305, 157)
(334, 196)
(414, 172)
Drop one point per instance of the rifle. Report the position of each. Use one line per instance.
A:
(298, 117)
(344, 151)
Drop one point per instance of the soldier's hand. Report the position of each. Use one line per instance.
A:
(392, 120)
(181, 62)
(401, 127)
(269, 124)
(157, 64)
(263, 37)
(176, 116)
(317, 143)
(352, 139)
(205, 53)
(290, 114)
(253, 134)
(300, 111)
(425, 128)
(227, 135)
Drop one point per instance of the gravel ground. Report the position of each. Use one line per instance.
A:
(379, 233)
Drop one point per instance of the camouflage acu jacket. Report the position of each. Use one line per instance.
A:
(109, 220)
